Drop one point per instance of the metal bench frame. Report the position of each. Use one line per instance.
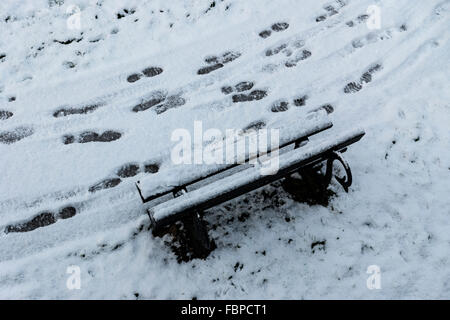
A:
(192, 216)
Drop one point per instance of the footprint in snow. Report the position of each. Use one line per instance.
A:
(305, 54)
(160, 102)
(331, 9)
(255, 125)
(217, 62)
(5, 114)
(359, 19)
(42, 220)
(19, 133)
(240, 87)
(67, 111)
(365, 78)
(277, 27)
(252, 96)
(105, 184)
(291, 50)
(132, 169)
(284, 105)
(128, 170)
(91, 136)
(147, 72)
(125, 171)
(280, 106)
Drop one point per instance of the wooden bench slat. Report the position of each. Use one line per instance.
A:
(247, 180)
(157, 185)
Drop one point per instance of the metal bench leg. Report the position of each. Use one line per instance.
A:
(198, 235)
(312, 186)
(346, 181)
(196, 232)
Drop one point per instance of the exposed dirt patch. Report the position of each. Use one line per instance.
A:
(310, 186)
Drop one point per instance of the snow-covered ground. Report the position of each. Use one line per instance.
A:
(125, 53)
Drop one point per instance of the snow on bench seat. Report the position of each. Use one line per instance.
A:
(247, 180)
(157, 185)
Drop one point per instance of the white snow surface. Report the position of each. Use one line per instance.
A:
(396, 215)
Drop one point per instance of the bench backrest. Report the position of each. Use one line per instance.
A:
(292, 131)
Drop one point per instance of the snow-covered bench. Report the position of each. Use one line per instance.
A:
(227, 181)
